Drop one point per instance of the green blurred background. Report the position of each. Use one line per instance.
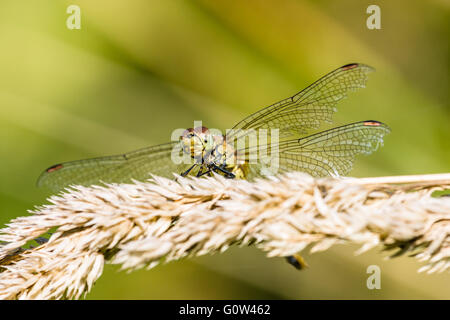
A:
(137, 69)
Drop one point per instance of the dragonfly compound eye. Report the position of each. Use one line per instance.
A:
(200, 130)
(188, 133)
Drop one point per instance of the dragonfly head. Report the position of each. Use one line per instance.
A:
(197, 142)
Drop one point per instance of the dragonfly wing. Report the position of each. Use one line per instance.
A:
(120, 168)
(328, 153)
(307, 109)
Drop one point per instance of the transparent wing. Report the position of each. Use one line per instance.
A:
(308, 108)
(328, 153)
(137, 165)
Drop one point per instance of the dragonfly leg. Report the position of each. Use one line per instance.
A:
(200, 172)
(203, 173)
(184, 174)
(227, 173)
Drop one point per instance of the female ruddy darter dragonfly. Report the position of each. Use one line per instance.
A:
(327, 153)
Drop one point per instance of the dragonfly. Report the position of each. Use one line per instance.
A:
(328, 153)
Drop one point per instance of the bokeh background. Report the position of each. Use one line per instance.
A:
(138, 69)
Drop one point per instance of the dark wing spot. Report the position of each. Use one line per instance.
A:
(186, 133)
(372, 123)
(349, 66)
(54, 168)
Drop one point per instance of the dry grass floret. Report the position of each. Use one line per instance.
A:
(142, 224)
